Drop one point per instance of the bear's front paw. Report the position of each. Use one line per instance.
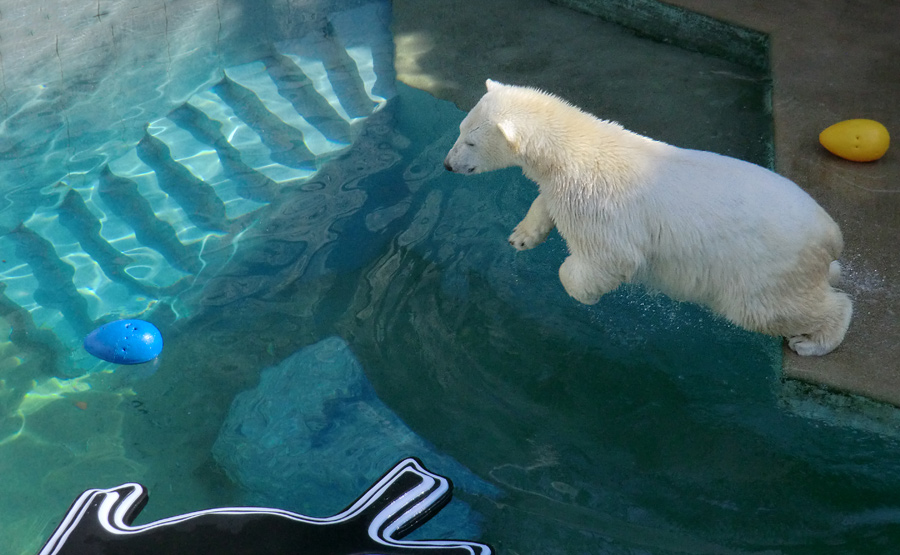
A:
(524, 238)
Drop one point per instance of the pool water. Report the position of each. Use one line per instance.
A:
(333, 300)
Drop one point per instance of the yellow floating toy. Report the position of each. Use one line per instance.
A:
(860, 140)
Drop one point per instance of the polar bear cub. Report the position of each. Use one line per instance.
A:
(698, 226)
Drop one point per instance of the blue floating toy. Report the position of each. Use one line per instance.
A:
(125, 342)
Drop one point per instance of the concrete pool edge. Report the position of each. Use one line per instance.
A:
(684, 28)
(830, 64)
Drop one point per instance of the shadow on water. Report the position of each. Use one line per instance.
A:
(636, 424)
(641, 421)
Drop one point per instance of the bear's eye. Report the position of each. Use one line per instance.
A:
(470, 143)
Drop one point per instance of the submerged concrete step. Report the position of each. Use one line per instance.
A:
(158, 216)
(253, 152)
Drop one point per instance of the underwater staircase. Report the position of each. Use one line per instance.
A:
(141, 231)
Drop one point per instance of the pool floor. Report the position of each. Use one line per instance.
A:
(375, 311)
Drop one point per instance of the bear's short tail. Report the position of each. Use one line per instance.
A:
(834, 273)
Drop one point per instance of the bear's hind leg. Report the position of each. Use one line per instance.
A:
(584, 282)
(833, 326)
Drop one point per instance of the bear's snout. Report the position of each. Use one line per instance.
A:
(458, 168)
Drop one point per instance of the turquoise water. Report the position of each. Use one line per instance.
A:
(262, 244)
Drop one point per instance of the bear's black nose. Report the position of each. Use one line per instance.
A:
(447, 166)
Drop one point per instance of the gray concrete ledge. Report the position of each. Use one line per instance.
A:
(683, 28)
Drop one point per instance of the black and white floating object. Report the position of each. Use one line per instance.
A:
(99, 522)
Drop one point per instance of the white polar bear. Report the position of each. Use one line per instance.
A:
(695, 225)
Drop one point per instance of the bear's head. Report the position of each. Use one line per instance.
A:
(487, 138)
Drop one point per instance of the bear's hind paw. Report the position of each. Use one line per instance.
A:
(805, 346)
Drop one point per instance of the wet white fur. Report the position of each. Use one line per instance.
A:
(698, 226)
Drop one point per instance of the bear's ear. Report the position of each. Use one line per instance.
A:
(491, 85)
(509, 132)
